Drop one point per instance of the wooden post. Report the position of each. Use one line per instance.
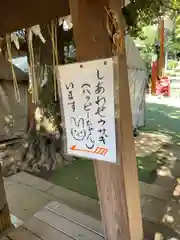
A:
(118, 186)
(154, 77)
(161, 54)
(5, 220)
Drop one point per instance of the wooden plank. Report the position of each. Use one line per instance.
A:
(22, 234)
(117, 185)
(67, 227)
(44, 231)
(3, 200)
(77, 217)
(20, 14)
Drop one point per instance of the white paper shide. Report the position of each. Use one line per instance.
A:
(87, 95)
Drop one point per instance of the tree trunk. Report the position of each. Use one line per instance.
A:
(42, 148)
(45, 136)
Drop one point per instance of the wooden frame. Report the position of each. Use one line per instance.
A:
(15, 15)
(118, 186)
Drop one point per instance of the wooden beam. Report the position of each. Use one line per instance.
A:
(15, 15)
(118, 186)
(5, 220)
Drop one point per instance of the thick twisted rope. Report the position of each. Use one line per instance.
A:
(113, 26)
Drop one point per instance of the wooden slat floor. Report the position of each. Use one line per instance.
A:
(58, 222)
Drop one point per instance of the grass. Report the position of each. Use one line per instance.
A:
(163, 119)
(147, 168)
(79, 176)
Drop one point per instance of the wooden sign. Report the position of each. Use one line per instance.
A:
(87, 100)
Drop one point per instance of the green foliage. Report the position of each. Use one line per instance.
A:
(141, 13)
(150, 34)
(70, 52)
(173, 45)
(146, 13)
(147, 54)
(148, 49)
(173, 42)
(172, 64)
(178, 26)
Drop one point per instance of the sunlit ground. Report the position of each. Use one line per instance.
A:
(161, 145)
(158, 145)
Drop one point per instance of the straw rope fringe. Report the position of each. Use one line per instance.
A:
(53, 35)
(15, 83)
(5, 221)
(33, 69)
(5, 218)
(33, 76)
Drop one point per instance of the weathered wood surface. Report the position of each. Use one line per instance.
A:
(118, 186)
(3, 200)
(20, 14)
(5, 222)
(22, 234)
(58, 222)
(84, 220)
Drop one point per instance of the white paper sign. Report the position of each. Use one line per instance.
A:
(87, 95)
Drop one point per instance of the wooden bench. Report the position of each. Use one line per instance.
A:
(56, 221)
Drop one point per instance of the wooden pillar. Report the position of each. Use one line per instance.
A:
(5, 220)
(161, 54)
(118, 186)
(154, 78)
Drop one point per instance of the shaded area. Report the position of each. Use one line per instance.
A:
(158, 231)
(164, 122)
(157, 151)
(78, 177)
(149, 155)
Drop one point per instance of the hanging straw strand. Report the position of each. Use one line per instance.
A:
(15, 83)
(54, 58)
(53, 35)
(35, 94)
